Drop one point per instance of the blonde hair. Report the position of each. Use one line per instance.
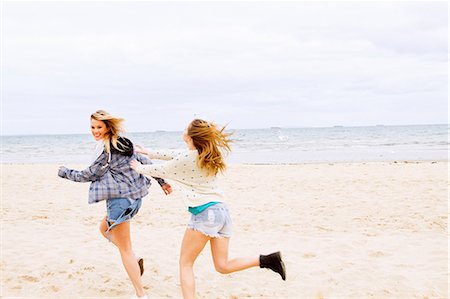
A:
(114, 125)
(208, 139)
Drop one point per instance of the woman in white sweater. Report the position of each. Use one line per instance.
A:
(196, 170)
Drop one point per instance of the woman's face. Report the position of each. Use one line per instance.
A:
(98, 129)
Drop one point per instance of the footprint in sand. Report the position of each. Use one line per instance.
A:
(85, 269)
(155, 270)
(89, 268)
(89, 220)
(29, 278)
(377, 254)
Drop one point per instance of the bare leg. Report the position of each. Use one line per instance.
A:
(103, 228)
(193, 244)
(120, 236)
(219, 250)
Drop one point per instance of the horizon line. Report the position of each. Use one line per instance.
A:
(265, 128)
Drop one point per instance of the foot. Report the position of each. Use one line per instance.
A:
(141, 265)
(136, 297)
(273, 262)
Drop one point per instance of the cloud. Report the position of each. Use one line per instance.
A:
(255, 63)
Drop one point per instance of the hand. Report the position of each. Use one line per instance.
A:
(134, 164)
(61, 171)
(167, 188)
(140, 149)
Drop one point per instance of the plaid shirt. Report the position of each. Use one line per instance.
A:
(112, 177)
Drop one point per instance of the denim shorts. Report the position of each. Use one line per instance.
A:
(214, 221)
(120, 210)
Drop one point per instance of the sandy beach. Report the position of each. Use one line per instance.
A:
(346, 230)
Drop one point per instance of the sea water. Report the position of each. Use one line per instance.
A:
(258, 146)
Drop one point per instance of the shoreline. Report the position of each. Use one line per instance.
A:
(397, 161)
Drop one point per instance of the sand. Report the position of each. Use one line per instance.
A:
(346, 230)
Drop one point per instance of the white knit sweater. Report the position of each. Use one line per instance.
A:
(181, 167)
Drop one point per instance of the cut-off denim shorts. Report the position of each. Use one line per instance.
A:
(214, 221)
(120, 210)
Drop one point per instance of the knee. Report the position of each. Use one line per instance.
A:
(183, 263)
(221, 268)
(126, 250)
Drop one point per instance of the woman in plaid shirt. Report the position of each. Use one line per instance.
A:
(113, 180)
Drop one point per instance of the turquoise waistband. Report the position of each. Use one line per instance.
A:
(199, 209)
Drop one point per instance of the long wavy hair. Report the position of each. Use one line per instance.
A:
(210, 141)
(114, 127)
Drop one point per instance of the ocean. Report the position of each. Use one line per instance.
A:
(259, 146)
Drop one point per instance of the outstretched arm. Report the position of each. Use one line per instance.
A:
(158, 154)
(90, 174)
(164, 170)
(146, 161)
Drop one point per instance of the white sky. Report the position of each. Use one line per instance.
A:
(251, 64)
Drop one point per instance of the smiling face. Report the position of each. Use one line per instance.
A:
(98, 129)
